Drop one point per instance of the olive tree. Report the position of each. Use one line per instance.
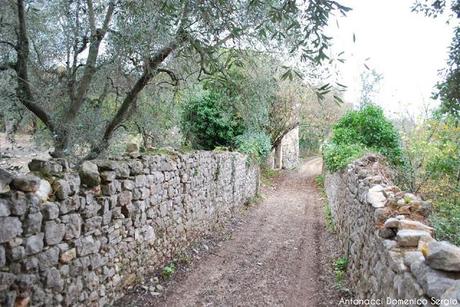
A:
(81, 65)
(448, 90)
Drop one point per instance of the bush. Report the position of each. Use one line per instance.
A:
(446, 222)
(370, 128)
(255, 144)
(338, 156)
(207, 124)
(359, 131)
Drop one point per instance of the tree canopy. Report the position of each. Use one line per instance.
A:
(448, 90)
(87, 61)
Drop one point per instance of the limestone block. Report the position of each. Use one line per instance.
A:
(410, 237)
(443, 256)
(375, 197)
(89, 174)
(10, 227)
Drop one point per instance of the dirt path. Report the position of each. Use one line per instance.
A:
(274, 257)
(15, 158)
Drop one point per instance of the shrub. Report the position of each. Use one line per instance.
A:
(207, 124)
(338, 156)
(359, 131)
(370, 128)
(256, 144)
(446, 221)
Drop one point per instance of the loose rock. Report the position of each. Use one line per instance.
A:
(443, 256)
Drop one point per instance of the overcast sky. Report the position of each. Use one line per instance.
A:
(409, 49)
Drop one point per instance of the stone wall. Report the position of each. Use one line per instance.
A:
(76, 238)
(286, 154)
(290, 148)
(384, 234)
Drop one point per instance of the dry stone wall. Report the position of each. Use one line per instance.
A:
(290, 149)
(393, 258)
(286, 154)
(76, 238)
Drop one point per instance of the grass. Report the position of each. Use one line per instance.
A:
(340, 270)
(330, 225)
(267, 175)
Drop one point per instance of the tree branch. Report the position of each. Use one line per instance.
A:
(9, 44)
(171, 74)
(279, 138)
(23, 91)
(151, 68)
(6, 66)
(97, 35)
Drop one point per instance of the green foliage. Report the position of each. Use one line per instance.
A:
(207, 124)
(168, 271)
(340, 269)
(446, 221)
(432, 168)
(117, 50)
(448, 90)
(370, 82)
(316, 122)
(330, 224)
(370, 128)
(320, 181)
(337, 157)
(256, 144)
(267, 174)
(359, 131)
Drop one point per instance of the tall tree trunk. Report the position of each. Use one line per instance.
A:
(78, 95)
(23, 90)
(123, 112)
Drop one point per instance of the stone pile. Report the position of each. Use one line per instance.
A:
(76, 237)
(384, 233)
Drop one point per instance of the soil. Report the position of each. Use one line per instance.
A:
(278, 254)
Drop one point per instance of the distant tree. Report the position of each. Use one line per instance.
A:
(370, 82)
(448, 90)
(80, 66)
(317, 120)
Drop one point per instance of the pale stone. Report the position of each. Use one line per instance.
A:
(34, 244)
(443, 256)
(69, 255)
(89, 174)
(451, 296)
(54, 232)
(375, 196)
(87, 245)
(4, 207)
(44, 190)
(409, 237)
(10, 227)
(392, 223)
(434, 282)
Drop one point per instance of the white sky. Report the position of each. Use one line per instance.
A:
(408, 48)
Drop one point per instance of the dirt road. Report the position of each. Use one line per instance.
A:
(280, 255)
